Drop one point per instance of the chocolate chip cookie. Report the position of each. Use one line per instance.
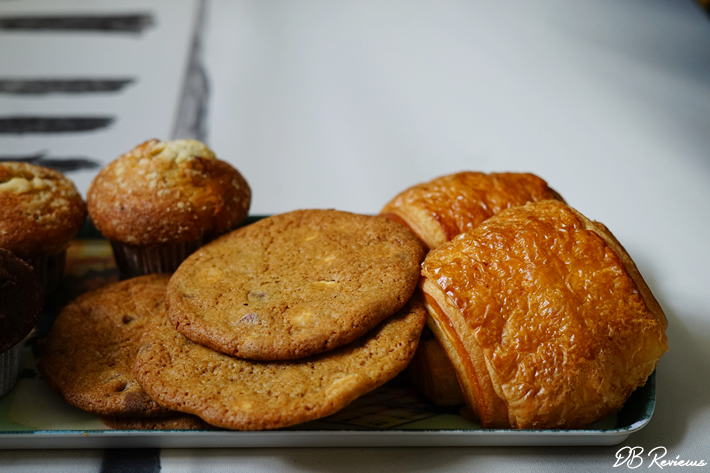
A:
(90, 351)
(249, 395)
(295, 284)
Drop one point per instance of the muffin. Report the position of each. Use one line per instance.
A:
(545, 317)
(40, 212)
(161, 201)
(21, 297)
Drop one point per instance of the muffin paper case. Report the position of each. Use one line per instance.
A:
(49, 269)
(9, 368)
(162, 200)
(135, 261)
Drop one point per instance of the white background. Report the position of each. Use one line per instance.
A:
(344, 104)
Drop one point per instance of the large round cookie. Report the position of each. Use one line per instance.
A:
(90, 351)
(240, 394)
(294, 284)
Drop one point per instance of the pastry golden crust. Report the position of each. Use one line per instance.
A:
(90, 351)
(432, 373)
(545, 317)
(40, 210)
(167, 192)
(239, 394)
(438, 210)
(295, 284)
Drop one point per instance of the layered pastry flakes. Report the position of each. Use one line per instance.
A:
(438, 210)
(545, 317)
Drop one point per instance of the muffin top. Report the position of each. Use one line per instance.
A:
(167, 192)
(40, 210)
(21, 297)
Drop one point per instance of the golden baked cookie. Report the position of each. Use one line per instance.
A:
(545, 317)
(162, 200)
(40, 212)
(89, 353)
(294, 284)
(438, 210)
(239, 394)
(176, 421)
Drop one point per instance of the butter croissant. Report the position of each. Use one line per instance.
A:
(545, 317)
(438, 210)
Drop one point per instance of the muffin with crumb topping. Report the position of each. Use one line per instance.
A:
(162, 200)
(40, 212)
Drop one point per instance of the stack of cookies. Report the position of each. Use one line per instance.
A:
(283, 321)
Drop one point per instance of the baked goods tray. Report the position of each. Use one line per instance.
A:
(32, 416)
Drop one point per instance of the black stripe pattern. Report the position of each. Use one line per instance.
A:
(134, 23)
(20, 125)
(135, 460)
(61, 86)
(61, 164)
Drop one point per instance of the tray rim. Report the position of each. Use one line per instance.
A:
(292, 437)
(309, 438)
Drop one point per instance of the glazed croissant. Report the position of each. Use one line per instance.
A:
(438, 210)
(545, 317)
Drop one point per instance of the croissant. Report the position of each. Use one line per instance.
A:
(438, 210)
(545, 317)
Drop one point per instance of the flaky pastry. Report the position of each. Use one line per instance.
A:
(438, 210)
(545, 317)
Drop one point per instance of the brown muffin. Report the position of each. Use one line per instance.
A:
(89, 353)
(546, 318)
(40, 212)
(240, 394)
(295, 284)
(161, 201)
(438, 210)
(20, 305)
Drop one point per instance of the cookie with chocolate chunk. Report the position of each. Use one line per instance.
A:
(90, 351)
(240, 394)
(295, 284)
